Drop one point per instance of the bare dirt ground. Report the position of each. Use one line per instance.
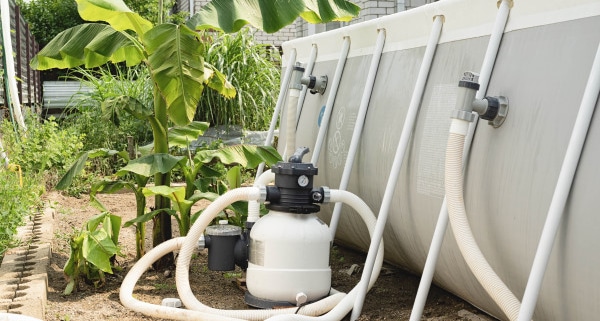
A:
(390, 299)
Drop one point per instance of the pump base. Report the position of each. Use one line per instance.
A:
(257, 302)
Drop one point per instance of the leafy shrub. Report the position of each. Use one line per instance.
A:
(18, 194)
(253, 69)
(93, 251)
(105, 127)
(47, 18)
(44, 146)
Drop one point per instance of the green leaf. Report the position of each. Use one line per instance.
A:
(177, 67)
(209, 172)
(148, 216)
(182, 136)
(249, 156)
(70, 287)
(79, 164)
(110, 187)
(234, 177)
(95, 202)
(217, 81)
(75, 169)
(98, 248)
(270, 16)
(115, 12)
(137, 109)
(112, 226)
(175, 194)
(149, 165)
(91, 45)
(93, 222)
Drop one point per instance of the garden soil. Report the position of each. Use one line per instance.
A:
(390, 299)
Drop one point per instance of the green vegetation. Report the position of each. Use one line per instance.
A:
(18, 202)
(93, 251)
(48, 18)
(109, 83)
(36, 157)
(174, 56)
(253, 69)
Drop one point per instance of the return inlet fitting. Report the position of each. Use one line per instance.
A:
(491, 108)
(315, 84)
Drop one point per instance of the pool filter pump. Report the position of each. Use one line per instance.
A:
(287, 249)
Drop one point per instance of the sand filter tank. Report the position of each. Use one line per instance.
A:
(289, 247)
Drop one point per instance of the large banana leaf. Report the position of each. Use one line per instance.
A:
(269, 15)
(115, 12)
(149, 165)
(249, 156)
(92, 45)
(177, 67)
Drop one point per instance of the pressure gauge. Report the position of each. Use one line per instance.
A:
(303, 180)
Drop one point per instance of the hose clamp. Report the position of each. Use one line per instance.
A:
(463, 115)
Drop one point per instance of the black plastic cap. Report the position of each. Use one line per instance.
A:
(468, 84)
(492, 109)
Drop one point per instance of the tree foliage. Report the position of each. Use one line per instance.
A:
(47, 18)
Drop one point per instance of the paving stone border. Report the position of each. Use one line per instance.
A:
(23, 272)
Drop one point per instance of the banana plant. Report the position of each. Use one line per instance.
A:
(196, 171)
(172, 53)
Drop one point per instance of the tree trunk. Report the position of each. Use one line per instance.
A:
(161, 231)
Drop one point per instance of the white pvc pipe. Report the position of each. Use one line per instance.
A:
(335, 84)
(442, 222)
(280, 99)
(336, 303)
(342, 309)
(10, 64)
(492, 48)
(307, 72)
(407, 129)
(473, 256)
(254, 206)
(358, 126)
(562, 190)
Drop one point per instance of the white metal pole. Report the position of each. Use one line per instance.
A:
(280, 99)
(335, 84)
(358, 127)
(307, 72)
(562, 191)
(407, 129)
(442, 222)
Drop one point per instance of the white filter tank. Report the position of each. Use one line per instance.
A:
(289, 258)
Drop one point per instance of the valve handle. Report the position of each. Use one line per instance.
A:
(298, 154)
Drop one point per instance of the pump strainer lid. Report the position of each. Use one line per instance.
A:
(223, 230)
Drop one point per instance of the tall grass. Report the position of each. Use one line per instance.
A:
(253, 69)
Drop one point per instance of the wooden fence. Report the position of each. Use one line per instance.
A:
(24, 48)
